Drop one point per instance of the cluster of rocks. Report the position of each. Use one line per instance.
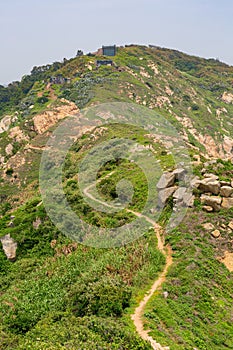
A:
(166, 186)
(216, 233)
(216, 194)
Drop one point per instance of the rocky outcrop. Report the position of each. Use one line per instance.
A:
(227, 203)
(9, 246)
(166, 180)
(212, 201)
(47, 119)
(226, 191)
(210, 184)
(165, 194)
(227, 97)
(5, 123)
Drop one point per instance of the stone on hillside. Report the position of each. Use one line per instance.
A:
(180, 192)
(166, 180)
(216, 233)
(184, 197)
(211, 176)
(36, 224)
(212, 201)
(225, 183)
(230, 225)
(227, 203)
(226, 191)
(208, 208)
(165, 194)
(210, 185)
(208, 226)
(231, 183)
(9, 247)
(195, 182)
(9, 149)
(179, 173)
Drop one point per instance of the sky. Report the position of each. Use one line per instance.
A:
(37, 32)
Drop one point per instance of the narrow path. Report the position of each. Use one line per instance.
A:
(137, 316)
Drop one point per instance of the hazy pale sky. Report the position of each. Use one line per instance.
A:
(37, 32)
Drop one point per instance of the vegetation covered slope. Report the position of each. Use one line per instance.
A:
(59, 294)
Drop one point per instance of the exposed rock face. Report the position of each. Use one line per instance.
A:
(226, 191)
(164, 195)
(166, 180)
(183, 197)
(9, 247)
(210, 185)
(212, 201)
(228, 261)
(9, 149)
(5, 123)
(44, 121)
(18, 135)
(227, 203)
(227, 97)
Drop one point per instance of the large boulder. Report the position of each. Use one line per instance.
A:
(184, 197)
(210, 185)
(9, 246)
(212, 201)
(165, 194)
(226, 191)
(227, 203)
(166, 180)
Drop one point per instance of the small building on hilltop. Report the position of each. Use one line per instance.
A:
(109, 50)
(104, 63)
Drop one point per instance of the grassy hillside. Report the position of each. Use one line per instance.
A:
(59, 294)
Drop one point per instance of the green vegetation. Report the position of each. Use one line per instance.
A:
(59, 294)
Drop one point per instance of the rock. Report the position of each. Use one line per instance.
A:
(216, 234)
(230, 225)
(207, 208)
(36, 224)
(11, 224)
(47, 119)
(166, 180)
(165, 294)
(179, 193)
(227, 203)
(165, 194)
(210, 185)
(226, 191)
(211, 176)
(227, 97)
(9, 246)
(5, 123)
(179, 173)
(212, 201)
(9, 149)
(231, 183)
(195, 182)
(12, 217)
(225, 183)
(208, 226)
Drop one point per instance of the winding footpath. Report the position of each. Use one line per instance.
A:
(137, 316)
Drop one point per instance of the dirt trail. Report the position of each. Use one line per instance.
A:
(137, 317)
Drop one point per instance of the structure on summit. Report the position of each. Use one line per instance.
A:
(109, 50)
